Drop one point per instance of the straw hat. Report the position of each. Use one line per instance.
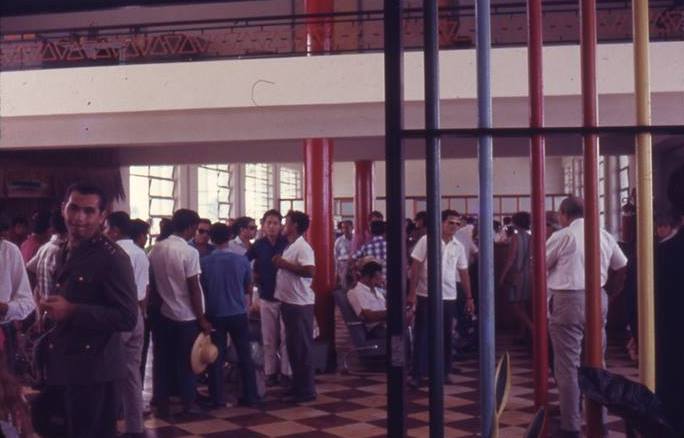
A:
(203, 353)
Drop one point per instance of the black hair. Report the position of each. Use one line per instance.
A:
(348, 222)
(572, 207)
(183, 219)
(41, 222)
(57, 222)
(378, 228)
(671, 220)
(165, 229)
(19, 220)
(86, 188)
(120, 220)
(138, 227)
(219, 233)
(447, 213)
(240, 223)
(272, 212)
(507, 220)
(300, 220)
(376, 214)
(370, 269)
(420, 216)
(497, 226)
(522, 219)
(675, 190)
(204, 220)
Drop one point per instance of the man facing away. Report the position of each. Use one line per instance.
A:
(226, 280)
(296, 268)
(454, 271)
(118, 229)
(343, 246)
(262, 252)
(176, 270)
(565, 261)
(93, 304)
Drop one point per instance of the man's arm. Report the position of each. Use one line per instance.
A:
(21, 302)
(413, 282)
(368, 315)
(467, 290)
(196, 302)
(616, 282)
(295, 268)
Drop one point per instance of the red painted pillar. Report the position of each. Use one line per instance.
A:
(318, 195)
(538, 158)
(363, 199)
(594, 325)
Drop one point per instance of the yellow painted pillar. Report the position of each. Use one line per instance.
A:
(644, 197)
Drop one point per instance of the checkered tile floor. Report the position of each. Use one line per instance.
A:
(355, 406)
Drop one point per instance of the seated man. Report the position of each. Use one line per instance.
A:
(368, 301)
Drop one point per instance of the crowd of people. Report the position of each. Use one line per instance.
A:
(98, 294)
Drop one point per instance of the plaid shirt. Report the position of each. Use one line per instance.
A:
(377, 247)
(44, 265)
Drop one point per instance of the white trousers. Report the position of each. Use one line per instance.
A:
(273, 336)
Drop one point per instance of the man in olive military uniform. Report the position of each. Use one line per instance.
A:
(95, 302)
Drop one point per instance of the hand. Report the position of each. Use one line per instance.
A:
(411, 301)
(470, 306)
(57, 307)
(278, 261)
(205, 325)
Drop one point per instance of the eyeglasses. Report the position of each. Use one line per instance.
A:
(202, 231)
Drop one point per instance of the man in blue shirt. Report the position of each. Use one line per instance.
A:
(226, 279)
(272, 329)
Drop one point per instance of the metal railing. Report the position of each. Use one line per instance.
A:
(280, 36)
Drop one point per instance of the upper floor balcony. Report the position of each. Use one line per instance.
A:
(286, 35)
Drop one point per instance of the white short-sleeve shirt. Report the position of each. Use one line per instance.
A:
(363, 297)
(565, 257)
(453, 258)
(173, 261)
(290, 287)
(141, 265)
(14, 285)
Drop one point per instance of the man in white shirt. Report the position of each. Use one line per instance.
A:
(454, 271)
(118, 229)
(244, 229)
(368, 301)
(296, 269)
(565, 260)
(343, 250)
(176, 269)
(16, 301)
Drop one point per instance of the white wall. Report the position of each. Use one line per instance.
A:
(459, 177)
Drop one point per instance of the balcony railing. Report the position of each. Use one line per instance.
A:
(353, 32)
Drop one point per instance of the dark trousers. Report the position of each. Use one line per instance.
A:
(90, 410)
(298, 322)
(176, 341)
(147, 331)
(420, 343)
(238, 328)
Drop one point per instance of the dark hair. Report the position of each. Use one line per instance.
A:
(120, 220)
(447, 213)
(138, 227)
(165, 229)
(420, 216)
(240, 223)
(370, 269)
(376, 214)
(497, 226)
(183, 219)
(219, 233)
(675, 190)
(671, 220)
(507, 220)
(300, 220)
(272, 212)
(41, 221)
(204, 221)
(348, 222)
(86, 188)
(378, 228)
(57, 222)
(572, 207)
(522, 220)
(19, 220)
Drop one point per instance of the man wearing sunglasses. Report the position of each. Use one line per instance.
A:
(244, 230)
(201, 239)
